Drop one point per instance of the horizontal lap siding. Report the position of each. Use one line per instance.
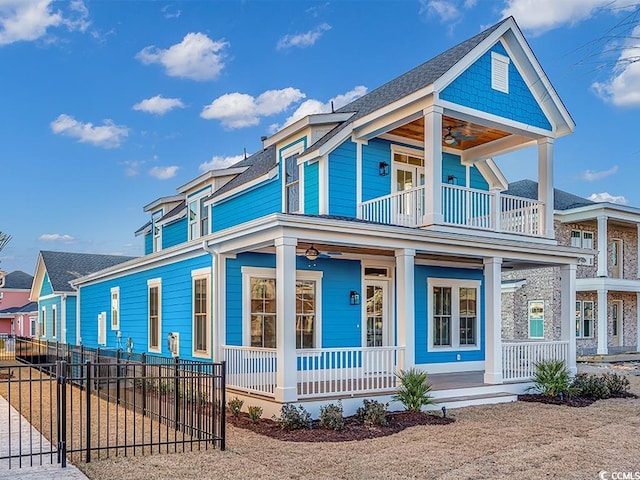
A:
(258, 202)
(148, 244)
(422, 304)
(48, 304)
(311, 189)
(342, 180)
(174, 233)
(71, 314)
(176, 306)
(452, 165)
(375, 185)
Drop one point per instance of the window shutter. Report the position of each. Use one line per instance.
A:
(500, 72)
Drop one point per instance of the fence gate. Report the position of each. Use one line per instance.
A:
(51, 412)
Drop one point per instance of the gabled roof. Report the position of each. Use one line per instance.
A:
(178, 212)
(62, 267)
(29, 307)
(562, 200)
(258, 165)
(18, 280)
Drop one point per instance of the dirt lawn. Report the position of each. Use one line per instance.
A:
(518, 440)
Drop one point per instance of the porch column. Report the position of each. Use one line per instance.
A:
(405, 306)
(602, 246)
(603, 348)
(545, 185)
(568, 313)
(287, 384)
(433, 165)
(638, 321)
(493, 320)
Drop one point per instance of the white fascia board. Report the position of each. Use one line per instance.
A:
(143, 231)
(616, 284)
(333, 142)
(591, 212)
(173, 218)
(511, 287)
(315, 119)
(245, 186)
(205, 177)
(390, 121)
(38, 278)
(161, 201)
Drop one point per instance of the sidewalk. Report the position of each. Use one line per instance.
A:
(25, 438)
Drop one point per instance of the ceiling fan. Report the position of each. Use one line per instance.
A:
(454, 138)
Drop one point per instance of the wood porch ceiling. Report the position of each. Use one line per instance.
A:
(482, 134)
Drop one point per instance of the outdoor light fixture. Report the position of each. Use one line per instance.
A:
(452, 180)
(383, 169)
(354, 298)
(311, 253)
(449, 139)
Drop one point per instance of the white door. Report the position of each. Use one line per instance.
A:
(406, 177)
(376, 313)
(617, 322)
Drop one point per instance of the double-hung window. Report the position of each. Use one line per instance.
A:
(198, 214)
(581, 239)
(584, 319)
(454, 320)
(156, 231)
(201, 311)
(292, 184)
(115, 308)
(154, 299)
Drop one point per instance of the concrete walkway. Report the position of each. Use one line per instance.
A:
(18, 435)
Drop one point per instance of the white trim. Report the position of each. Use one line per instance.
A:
(452, 367)
(455, 285)
(163, 201)
(43, 330)
(295, 149)
(607, 283)
(206, 176)
(54, 321)
(512, 287)
(359, 145)
(580, 334)
(201, 274)
(154, 282)
(200, 205)
(388, 330)
(323, 186)
(315, 119)
(116, 291)
(529, 318)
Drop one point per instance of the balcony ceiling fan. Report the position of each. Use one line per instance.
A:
(454, 138)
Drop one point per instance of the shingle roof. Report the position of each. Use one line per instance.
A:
(63, 267)
(29, 307)
(562, 200)
(18, 280)
(259, 164)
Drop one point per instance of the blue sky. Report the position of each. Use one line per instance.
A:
(108, 105)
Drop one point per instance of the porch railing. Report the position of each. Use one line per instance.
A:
(252, 369)
(461, 206)
(519, 358)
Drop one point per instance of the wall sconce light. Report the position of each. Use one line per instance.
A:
(354, 298)
(312, 253)
(383, 169)
(452, 180)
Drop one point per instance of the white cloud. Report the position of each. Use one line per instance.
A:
(197, 57)
(239, 110)
(445, 10)
(28, 20)
(540, 16)
(303, 40)
(108, 135)
(164, 173)
(590, 175)
(607, 197)
(158, 105)
(55, 237)
(219, 162)
(169, 12)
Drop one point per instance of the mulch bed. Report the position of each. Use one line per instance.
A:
(353, 429)
(568, 400)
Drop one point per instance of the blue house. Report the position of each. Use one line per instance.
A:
(359, 242)
(57, 300)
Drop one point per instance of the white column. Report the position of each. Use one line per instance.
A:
(545, 185)
(496, 209)
(359, 144)
(493, 320)
(287, 385)
(602, 246)
(603, 348)
(405, 306)
(637, 319)
(568, 313)
(638, 252)
(433, 164)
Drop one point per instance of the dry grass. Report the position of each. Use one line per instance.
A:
(519, 440)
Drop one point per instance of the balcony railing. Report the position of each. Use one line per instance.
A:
(519, 359)
(461, 206)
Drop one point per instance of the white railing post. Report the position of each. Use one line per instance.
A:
(496, 210)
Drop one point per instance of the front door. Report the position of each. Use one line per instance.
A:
(617, 323)
(376, 332)
(407, 176)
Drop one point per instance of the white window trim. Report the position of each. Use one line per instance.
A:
(199, 274)
(154, 282)
(529, 318)
(43, 332)
(197, 198)
(296, 149)
(500, 61)
(116, 291)
(54, 321)
(260, 272)
(455, 285)
(154, 223)
(580, 334)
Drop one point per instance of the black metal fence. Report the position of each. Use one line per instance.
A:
(96, 403)
(7, 347)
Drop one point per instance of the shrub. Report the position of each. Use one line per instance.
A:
(294, 418)
(414, 390)
(331, 416)
(255, 413)
(235, 406)
(617, 384)
(590, 386)
(373, 413)
(551, 378)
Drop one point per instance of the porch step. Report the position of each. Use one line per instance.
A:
(469, 400)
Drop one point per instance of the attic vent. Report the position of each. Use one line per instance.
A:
(500, 72)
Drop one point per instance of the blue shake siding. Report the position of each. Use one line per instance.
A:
(174, 233)
(176, 306)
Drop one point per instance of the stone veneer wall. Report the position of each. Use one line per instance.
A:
(629, 237)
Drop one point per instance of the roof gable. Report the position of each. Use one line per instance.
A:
(17, 280)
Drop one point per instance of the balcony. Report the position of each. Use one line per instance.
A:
(461, 206)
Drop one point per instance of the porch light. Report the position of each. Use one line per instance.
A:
(449, 139)
(452, 180)
(383, 169)
(311, 253)
(354, 298)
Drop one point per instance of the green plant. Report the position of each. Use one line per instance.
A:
(235, 406)
(551, 378)
(373, 413)
(414, 390)
(331, 416)
(293, 418)
(255, 412)
(590, 386)
(617, 384)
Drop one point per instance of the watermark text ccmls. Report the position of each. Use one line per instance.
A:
(617, 475)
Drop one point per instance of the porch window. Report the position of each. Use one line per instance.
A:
(581, 239)
(263, 312)
(115, 308)
(291, 187)
(155, 314)
(200, 289)
(453, 315)
(584, 319)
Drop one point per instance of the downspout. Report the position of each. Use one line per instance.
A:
(216, 344)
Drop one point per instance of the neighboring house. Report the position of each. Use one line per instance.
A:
(14, 294)
(358, 242)
(24, 320)
(608, 281)
(56, 298)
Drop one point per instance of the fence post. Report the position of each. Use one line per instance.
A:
(88, 410)
(144, 384)
(176, 395)
(62, 413)
(223, 404)
(118, 377)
